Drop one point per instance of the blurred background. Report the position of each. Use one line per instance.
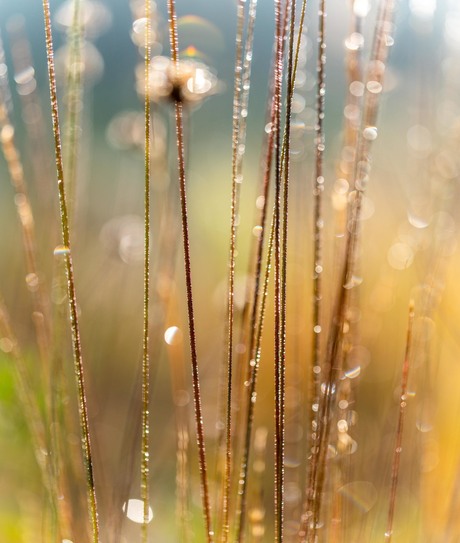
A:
(409, 250)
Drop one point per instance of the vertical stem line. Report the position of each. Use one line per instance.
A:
(400, 428)
(145, 454)
(236, 183)
(188, 281)
(77, 353)
(318, 205)
(332, 366)
(278, 445)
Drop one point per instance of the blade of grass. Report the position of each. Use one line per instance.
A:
(145, 448)
(238, 143)
(278, 357)
(188, 280)
(400, 428)
(332, 367)
(258, 314)
(74, 320)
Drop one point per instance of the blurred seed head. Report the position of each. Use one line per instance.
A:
(190, 84)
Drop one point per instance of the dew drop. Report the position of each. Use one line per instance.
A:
(356, 88)
(361, 8)
(370, 133)
(352, 373)
(355, 41)
(61, 250)
(416, 221)
(32, 281)
(374, 87)
(342, 425)
(25, 76)
(172, 335)
(134, 510)
(257, 231)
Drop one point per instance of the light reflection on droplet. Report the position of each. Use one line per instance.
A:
(356, 88)
(32, 281)
(352, 373)
(370, 133)
(327, 388)
(25, 76)
(134, 510)
(361, 8)
(355, 41)
(374, 87)
(61, 250)
(417, 222)
(173, 335)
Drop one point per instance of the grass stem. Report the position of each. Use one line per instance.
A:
(65, 231)
(188, 280)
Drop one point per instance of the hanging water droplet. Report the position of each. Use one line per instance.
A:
(361, 8)
(370, 133)
(355, 41)
(374, 87)
(356, 88)
(352, 373)
(172, 335)
(32, 281)
(61, 250)
(134, 510)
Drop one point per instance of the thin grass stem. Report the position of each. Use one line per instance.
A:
(235, 195)
(188, 280)
(400, 428)
(315, 369)
(258, 314)
(74, 319)
(145, 439)
(278, 358)
(332, 367)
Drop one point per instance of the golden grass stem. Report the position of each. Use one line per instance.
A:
(34, 281)
(74, 319)
(400, 428)
(188, 280)
(315, 369)
(145, 439)
(238, 141)
(278, 357)
(332, 367)
(258, 314)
